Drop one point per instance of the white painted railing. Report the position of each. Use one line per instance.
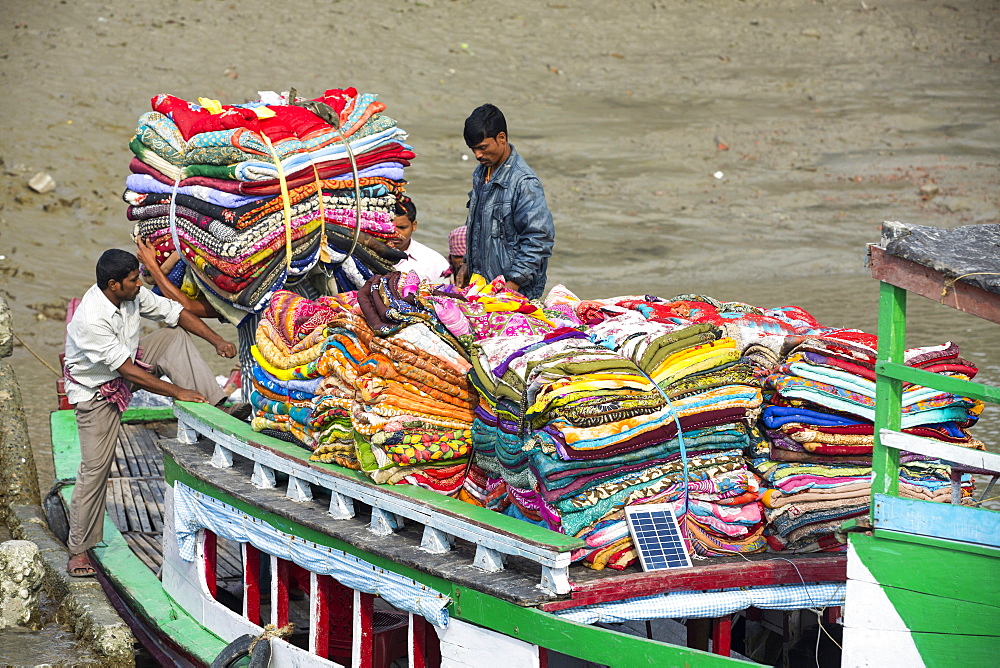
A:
(389, 510)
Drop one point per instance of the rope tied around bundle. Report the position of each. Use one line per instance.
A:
(327, 113)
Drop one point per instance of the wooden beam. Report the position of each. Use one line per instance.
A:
(761, 572)
(209, 557)
(933, 285)
(722, 630)
(977, 459)
(279, 591)
(319, 598)
(251, 583)
(938, 520)
(363, 652)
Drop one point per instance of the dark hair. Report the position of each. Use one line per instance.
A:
(115, 265)
(484, 122)
(405, 207)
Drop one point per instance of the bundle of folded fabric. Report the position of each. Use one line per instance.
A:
(240, 200)
(413, 414)
(816, 458)
(296, 396)
(575, 425)
(394, 404)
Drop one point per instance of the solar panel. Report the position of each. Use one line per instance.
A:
(657, 536)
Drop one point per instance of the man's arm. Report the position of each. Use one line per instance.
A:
(147, 255)
(147, 381)
(192, 323)
(535, 233)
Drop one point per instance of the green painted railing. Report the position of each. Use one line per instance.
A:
(891, 373)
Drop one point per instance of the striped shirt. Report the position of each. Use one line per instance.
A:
(101, 337)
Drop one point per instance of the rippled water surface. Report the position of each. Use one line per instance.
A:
(743, 150)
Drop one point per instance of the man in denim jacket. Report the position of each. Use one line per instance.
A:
(510, 230)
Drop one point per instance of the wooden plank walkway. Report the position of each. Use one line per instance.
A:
(134, 501)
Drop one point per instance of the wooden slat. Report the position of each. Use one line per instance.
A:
(938, 520)
(956, 386)
(116, 505)
(137, 457)
(147, 442)
(124, 493)
(230, 561)
(140, 506)
(757, 572)
(933, 285)
(133, 460)
(977, 459)
(153, 507)
(119, 469)
(157, 486)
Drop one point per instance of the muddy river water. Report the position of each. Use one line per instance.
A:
(742, 150)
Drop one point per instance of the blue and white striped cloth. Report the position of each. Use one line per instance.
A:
(691, 604)
(194, 511)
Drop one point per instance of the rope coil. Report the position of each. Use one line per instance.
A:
(271, 631)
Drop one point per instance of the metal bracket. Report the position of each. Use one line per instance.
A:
(299, 490)
(263, 476)
(341, 507)
(383, 522)
(222, 458)
(436, 541)
(489, 560)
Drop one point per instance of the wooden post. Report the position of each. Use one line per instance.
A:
(722, 635)
(209, 555)
(888, 391)
(364, 632)
(279, 591)
(251, 583)
(319, 598)
(418, 641)
(698, 633)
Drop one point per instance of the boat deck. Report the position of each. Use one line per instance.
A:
(136, 489)
(135, 493)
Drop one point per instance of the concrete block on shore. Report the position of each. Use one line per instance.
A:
(21, 574)
(6, 329)
(82, 603)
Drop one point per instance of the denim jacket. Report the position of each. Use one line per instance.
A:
(510, 229)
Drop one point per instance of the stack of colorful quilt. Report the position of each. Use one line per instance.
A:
(413, 413)
(295, 394)
(574, 425)
(376, 388)
(816, 459)
(252, 197)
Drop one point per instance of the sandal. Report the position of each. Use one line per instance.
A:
(79, 566)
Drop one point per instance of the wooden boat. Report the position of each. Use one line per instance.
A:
(500, 580)
(215, 531)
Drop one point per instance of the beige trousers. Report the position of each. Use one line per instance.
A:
(170, 352)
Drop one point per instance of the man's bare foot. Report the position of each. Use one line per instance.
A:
(79, 566)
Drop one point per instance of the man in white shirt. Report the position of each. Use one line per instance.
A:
(427, 262)
(105, 361)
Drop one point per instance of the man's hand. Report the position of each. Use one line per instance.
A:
(146, 252)
(190, 395)
(225, 349)
(511, 286)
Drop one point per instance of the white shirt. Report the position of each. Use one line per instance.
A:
(101, 337)
(427, 262)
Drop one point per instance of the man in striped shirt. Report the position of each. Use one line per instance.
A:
(105, 361)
